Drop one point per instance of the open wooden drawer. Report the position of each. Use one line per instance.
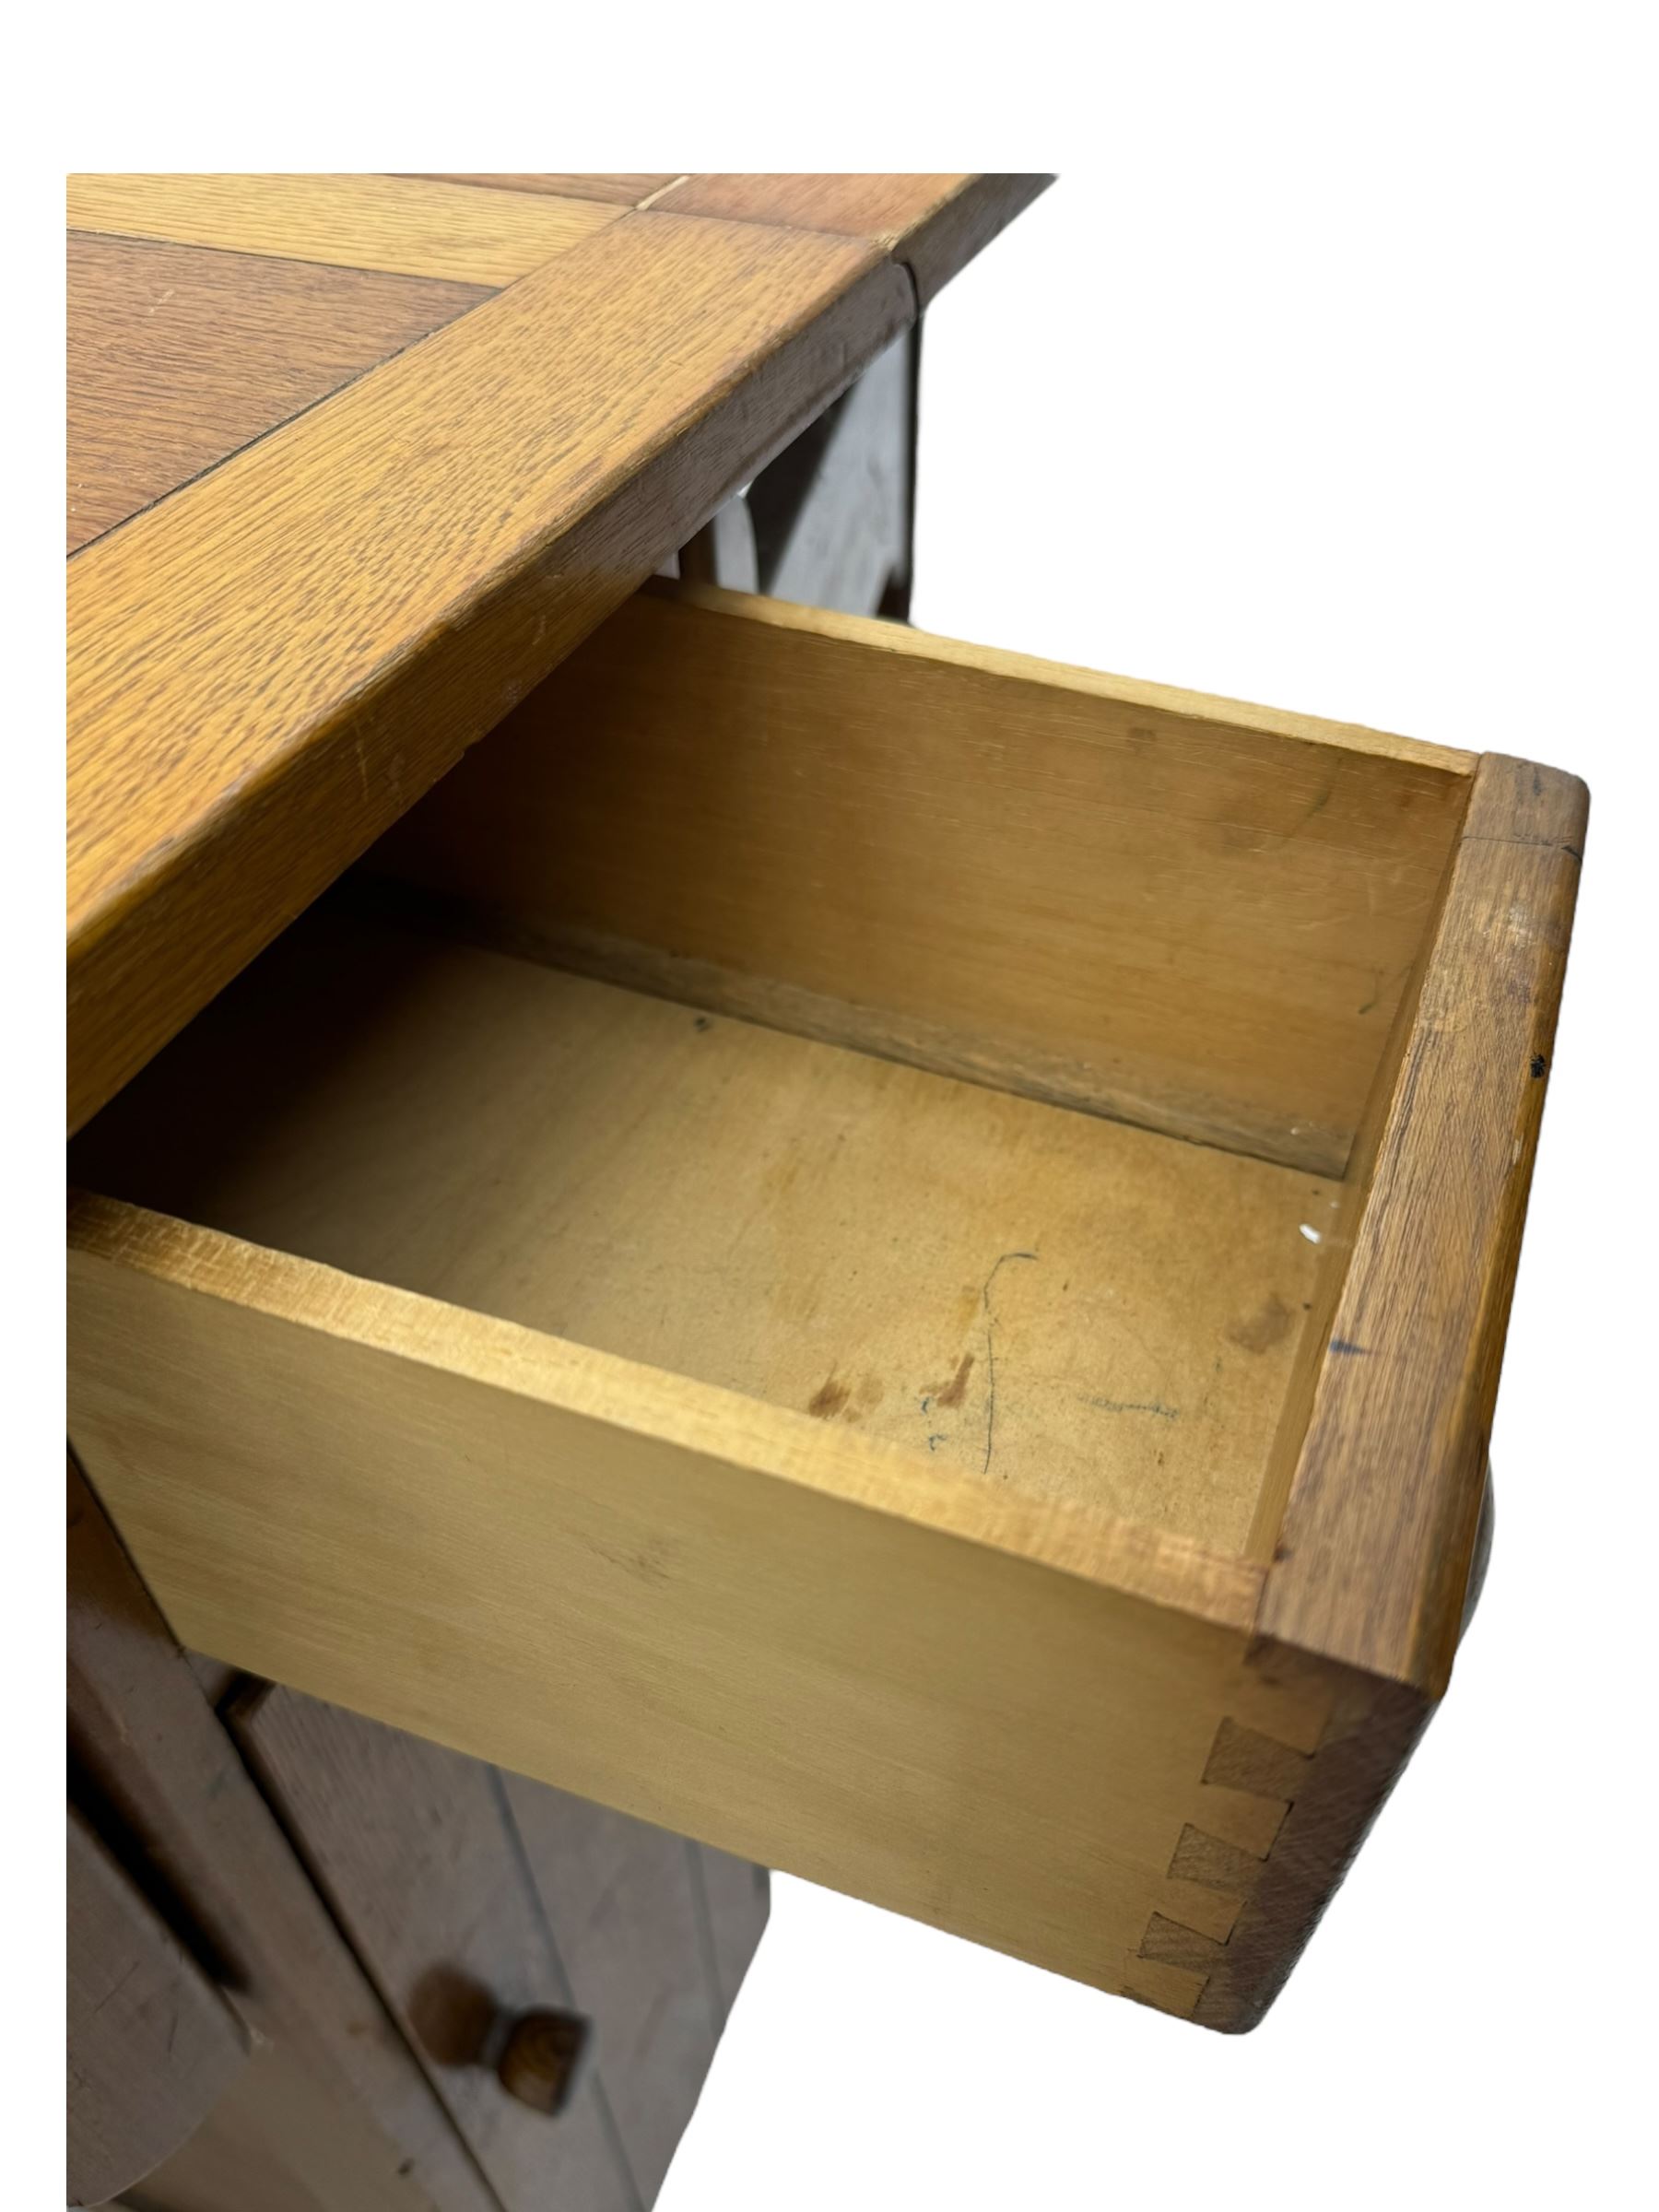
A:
(887, 1254)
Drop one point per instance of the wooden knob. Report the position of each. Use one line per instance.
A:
(541, 2059)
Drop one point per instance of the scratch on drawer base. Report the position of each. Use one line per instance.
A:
(1327, 1799)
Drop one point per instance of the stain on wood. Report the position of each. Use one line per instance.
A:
(1266, 1326)
(947, 1395)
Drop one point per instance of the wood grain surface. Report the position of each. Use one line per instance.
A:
(409, 1844)
(628, 1905)
(1374, 1553)
(152, 2044)
(331, 2109)
(473, 1896)
(621, 190)
(196, 1343)
(232, 743)
(178, 355)
(764, 1622)
(736, 1899)
(1190, 914)
(1047, 1302)
(932, 224)
(237, 735)
(1330, 1800)
(407, 225)
(767, 1631)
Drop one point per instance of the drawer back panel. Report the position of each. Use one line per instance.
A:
(1173, 910)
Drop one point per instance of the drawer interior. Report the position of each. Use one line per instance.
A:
(1032, 1295)
(968, 1054)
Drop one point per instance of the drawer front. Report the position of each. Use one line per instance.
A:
(474, 1898)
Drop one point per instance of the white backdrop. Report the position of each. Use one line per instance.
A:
(1324, 377)
(1346, 416)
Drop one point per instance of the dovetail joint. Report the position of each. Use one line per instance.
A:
(1239, 1759)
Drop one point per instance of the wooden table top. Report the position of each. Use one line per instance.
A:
(354, 460)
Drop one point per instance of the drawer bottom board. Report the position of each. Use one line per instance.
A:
(1040, 1298)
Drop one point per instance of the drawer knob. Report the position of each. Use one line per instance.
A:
(541, 2059)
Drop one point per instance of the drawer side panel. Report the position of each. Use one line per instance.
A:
(439, 1522)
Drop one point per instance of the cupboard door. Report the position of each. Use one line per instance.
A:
(475, 1897)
